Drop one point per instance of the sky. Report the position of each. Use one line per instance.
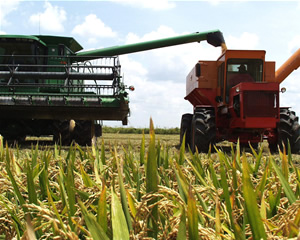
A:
(159, 75)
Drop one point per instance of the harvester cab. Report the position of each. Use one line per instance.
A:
(49, 86)
(237, 98)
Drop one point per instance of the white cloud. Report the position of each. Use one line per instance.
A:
(7, 7)
(149, 4)
(93, 28)
(245, 41)
(52, 19)
(171, 63)
(294, 44)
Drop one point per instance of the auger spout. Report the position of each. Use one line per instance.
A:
(214, 38)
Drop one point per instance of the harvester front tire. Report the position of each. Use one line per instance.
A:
(203, 132)
(289, 130)
(185, 128)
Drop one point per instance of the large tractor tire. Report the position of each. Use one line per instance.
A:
(83, 132)
(63, 132)
(203, 131)
(289, 130)
(185, 128)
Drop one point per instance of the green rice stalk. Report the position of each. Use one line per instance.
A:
(50, 200)
(285, 184)
(158, 147)
(274, 202)
(182, 183)
(70, 189)
(119, 224)
(131, 204)
(181, 234)
(198, 175)
(182, 151)
(263, 208)
(13, 181)
(123, 194)
(225, 187)
(284, 164)
(103, 159)
(19, 227)
(32, 194)
(256, 224)
(65, 199)
(88, 182)
(34, 154)
(262, 184)
(192, 215)
(102, 212)
(152, 183)
(96, 231)
(213, 175)
(142, 150)
(293, 230)
(226, 194)
(257, 158)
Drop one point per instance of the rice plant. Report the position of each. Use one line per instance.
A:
(147, 191)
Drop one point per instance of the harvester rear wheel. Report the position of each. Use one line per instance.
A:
(83, 132)
(203, 130)
(62, 133)
(289, 130)
(185, 128)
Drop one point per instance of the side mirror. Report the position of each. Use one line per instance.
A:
(198, 70)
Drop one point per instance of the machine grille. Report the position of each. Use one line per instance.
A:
(260, 104)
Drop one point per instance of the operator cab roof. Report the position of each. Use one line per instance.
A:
(45, 40)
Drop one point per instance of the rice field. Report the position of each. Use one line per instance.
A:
(133, 186)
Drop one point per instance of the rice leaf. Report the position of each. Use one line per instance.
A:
(102, 212)
(152, 183)
(256, 224)
(261, 186)
(131, 204)
(192, 215)
(119, 224)
(181, 234)
(13, 181)
(182, 151)
(95, 229)
(286, 186)
(32, 195)
(85, 178)
(284, 164)
(142, 150)
(50, 200)
(263, 208)
(198, 175)
(218, 220)
(123, 194)
(257, 158)
(182, 183)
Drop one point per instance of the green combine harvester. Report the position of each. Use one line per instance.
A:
(48, 86)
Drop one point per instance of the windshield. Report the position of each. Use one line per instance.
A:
(14, 47)
(243, 70)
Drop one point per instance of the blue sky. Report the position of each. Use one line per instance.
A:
(159, 75)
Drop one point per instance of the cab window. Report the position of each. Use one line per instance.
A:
(243, 70)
